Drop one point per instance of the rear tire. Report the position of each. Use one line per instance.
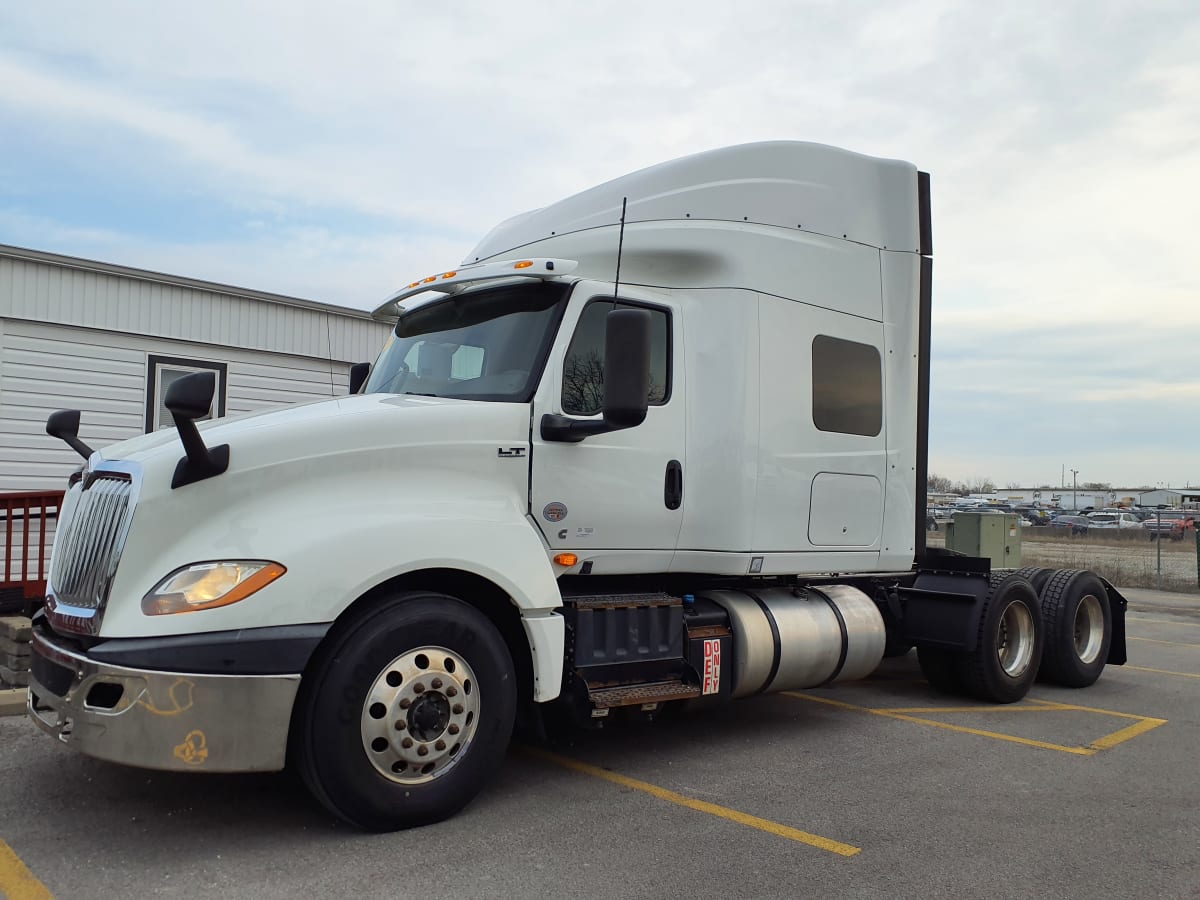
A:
(422, 668)
(1005, 661)
(1036, 576)
(1078, 626)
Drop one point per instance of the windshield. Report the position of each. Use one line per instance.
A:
(479, 345)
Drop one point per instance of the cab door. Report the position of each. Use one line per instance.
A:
(623, 490)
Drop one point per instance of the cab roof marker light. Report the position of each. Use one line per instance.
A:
(456, 279)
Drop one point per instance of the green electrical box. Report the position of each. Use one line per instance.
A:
(996, 536)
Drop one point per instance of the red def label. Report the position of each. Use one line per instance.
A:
(712, 666)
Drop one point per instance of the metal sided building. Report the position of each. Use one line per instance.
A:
(108, 340)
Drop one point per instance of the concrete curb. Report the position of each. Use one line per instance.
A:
(12, 701)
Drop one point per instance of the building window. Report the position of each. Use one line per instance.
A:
(847, 386)
(162, 372)
(583, 368)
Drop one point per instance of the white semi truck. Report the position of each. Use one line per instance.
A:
(661, 442)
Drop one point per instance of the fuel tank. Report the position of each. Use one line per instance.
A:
(785, 639)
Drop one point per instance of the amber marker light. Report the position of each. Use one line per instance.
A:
(449, 274)
(430, 279)
(566, 559)
(523, 264)
(209, 585)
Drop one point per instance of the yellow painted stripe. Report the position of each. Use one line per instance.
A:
(1028, 742)
(1125, 734)
(1161, 671)
(1072, 707)
(784, 831)
(993, 708)
(1172, 643)
(1171, 622)
(16, 881)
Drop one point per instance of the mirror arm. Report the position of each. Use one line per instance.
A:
(566, 430)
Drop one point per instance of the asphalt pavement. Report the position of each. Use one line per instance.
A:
(872, 789)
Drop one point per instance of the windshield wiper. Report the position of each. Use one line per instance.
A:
(418, 394)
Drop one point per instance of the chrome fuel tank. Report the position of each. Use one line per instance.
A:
(785, 640)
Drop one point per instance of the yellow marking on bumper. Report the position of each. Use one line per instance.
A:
(733, 815)
(962, 729)
(1161, 671)
(16, 881)
(1172, 643)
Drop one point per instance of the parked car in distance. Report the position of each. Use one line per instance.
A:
(1114, 520)
(1036, 515)
(1074, 524)
(1172, 523)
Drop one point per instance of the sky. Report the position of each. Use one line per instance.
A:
(337, 151)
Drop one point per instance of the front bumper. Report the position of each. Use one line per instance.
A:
(155, 719)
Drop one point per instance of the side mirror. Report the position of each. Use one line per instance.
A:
(626, 381)
(188, 399)
(626, 367)
(64, 425)
(358, 376)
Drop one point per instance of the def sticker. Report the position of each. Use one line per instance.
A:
(554, 512)
(712, 666)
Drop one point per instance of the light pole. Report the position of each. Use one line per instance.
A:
(1074, 487)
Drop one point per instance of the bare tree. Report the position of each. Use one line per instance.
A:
(583, 385)
(939, 484)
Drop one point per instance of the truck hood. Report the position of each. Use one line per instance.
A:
(333, 430)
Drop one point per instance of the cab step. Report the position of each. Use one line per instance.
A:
(641, 694)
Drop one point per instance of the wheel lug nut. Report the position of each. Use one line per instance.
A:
(458, 708)
(436, 683)
(453, 729)
(405, 703)
(418, 688)
(451, 692)
(422, 750)
(406, 743)
(440, 745)
(401, 725)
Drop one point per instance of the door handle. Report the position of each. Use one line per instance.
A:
(673, 487)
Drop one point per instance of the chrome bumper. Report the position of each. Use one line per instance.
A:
(161, 720)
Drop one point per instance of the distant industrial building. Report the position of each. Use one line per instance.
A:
(108, 340)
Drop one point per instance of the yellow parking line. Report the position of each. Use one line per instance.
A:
(1161, 671)
(1172, 643)
(1170, 622)
(1029, 742)
(784, 831)
(1011, 707)
(16, 881)
(1125, 734)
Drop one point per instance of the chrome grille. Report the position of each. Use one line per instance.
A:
(89, 543)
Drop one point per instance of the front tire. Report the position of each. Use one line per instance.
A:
(406, 712)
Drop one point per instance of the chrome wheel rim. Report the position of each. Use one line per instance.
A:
(1089, 629)
(1014, 644)
(419, 715)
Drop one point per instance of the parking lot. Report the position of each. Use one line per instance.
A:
(878, 788)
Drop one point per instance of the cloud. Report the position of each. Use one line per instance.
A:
(335, 151)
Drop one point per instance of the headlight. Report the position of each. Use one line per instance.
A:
(208, 585)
